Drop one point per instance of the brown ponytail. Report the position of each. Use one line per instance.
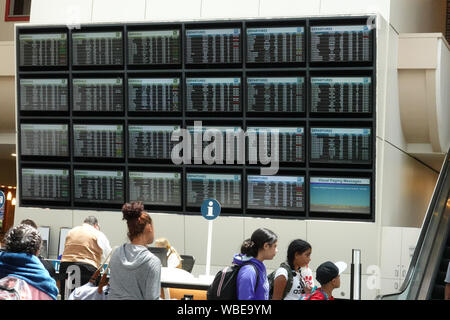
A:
(136, 218)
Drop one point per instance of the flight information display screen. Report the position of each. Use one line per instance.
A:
(45, 184)
(154, 95)
(44, 95)
(151, 142)
(44, 49)
(341, 145)
(341, 44)
(344, 195)
(290, 141)
(98, 95)
(276, 192)
(154, 47)
(98, 141)
(275, 94)
(213, 94)
(44, 140)
(99, 186)
(225, 188)
(341, 94)
(206, 46)
(275, 45)
(223, 150)
(155, 188)
(97, 48)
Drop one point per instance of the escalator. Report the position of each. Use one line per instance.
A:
(426, 273)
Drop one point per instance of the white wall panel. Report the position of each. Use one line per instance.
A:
(171, 227)
(61, 12)
(334, 241)
(407, 189)
(108, 11)
(226, 239)
(355, 7)
(172, 10)
(230, 9)
(289, 8)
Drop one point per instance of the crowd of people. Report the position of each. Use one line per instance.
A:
(135, 273)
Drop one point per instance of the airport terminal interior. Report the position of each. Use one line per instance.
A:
(321, 120)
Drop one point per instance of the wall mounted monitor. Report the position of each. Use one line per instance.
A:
(101, 186)
(44, 95)
(341, 145)
(276, 193)
(43, 50)
(151, 141)
(276, 44)
(50, 140)
(45, 184)
(341, 43)
(291, 141)
(222, 147)
(97, 48)
(98, 95)
(341, 95)
(155, 188)
(275, 94)
(154, 95)
(155, 47)
(213, 94)
(98, 141)
(225, 188)
(341, 195)
(213, 46)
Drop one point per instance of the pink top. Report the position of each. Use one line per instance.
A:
(12, 288)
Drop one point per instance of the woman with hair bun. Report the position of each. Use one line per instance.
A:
(251, 282)
(135, 271)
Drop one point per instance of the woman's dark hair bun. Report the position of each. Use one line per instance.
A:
(132, 210)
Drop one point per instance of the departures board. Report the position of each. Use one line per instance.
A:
(272, 117)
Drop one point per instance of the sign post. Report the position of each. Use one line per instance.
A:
(2, 208)
(210, 210)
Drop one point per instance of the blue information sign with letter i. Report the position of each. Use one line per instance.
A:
(2, 199)
(210, 209)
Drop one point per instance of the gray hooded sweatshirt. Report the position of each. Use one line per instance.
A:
(135, 274)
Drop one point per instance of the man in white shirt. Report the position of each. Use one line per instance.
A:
(85, 247)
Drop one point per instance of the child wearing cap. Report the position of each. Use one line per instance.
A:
(328, 275)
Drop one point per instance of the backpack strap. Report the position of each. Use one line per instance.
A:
(256, 271)
(290, 279)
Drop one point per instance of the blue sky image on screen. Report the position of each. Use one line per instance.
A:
(347, 195)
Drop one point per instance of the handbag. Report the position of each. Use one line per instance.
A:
(90, 291)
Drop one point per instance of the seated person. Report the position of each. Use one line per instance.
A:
(20, 262)
(173, 258)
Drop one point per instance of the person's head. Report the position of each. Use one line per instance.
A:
(29, 222)
(262, 244)
(328, 274)
(23, 239)
(91, 220)
(138, 221)
(298, 254)
(162, 243)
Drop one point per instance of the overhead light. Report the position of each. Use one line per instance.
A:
(13, 154)
(13, 202)
(9, 196)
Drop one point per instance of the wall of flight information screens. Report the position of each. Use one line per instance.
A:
(98, 108)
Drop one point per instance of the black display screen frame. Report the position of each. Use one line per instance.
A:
(184, 118)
